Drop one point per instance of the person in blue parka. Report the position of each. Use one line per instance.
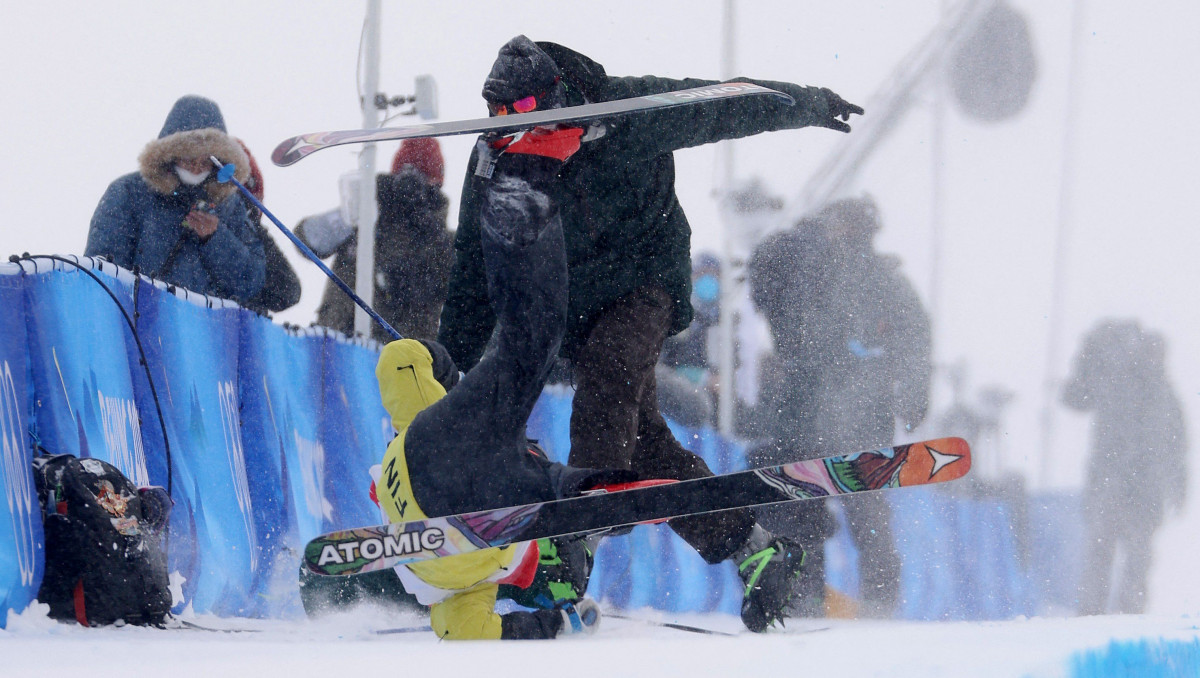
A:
(172, 219)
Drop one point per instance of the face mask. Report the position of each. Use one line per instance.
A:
(706, 288)
(191, 178)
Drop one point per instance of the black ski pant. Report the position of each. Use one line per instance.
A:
(615, 422)
(467, 451)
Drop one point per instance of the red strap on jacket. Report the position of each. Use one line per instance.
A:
(559, 144)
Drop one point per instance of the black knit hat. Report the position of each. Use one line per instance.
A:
(521, 69)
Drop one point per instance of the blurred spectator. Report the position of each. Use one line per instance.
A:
(687, 351)
(173, 220)
(684, 375)
(1137, 468)
(413, 248)
(281, 288)
(852, 353)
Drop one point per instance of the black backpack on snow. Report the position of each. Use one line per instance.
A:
(105, 556)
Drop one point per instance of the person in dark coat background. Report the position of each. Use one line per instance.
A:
(628, 252)
(852, 355)
(173, 220)
(413, 248)
(281, 287)
(1137, 470)
(684, 378)
(688, 351)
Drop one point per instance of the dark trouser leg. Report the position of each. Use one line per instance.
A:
(467, 451)
(615, 422)
(870, 520)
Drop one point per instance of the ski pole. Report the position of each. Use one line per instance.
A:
(225, 175)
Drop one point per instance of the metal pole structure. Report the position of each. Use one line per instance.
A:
(886, 108)
(368, 211)
(937, 198)
(731, 263)
(1062, 241)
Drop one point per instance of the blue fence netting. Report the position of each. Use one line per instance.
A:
(271, 433)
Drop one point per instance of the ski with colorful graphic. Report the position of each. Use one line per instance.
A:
(367, 549)
(297, 148)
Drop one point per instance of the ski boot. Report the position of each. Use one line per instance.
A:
(769, 566)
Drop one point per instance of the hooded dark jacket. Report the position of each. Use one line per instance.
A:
(622, 221)
(852, 342)
(413, 257)
(139, 221)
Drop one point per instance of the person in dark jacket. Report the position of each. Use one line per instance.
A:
(281, 287)
(413, 248)
(628, 248)
(852, 355)
(173, 220)
(1137, 470)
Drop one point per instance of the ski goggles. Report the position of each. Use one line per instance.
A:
(529, 103)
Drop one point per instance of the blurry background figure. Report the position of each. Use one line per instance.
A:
(685, 370)
(852, 355)
(1137, 467)
(413, 247)
(281, 288)
(749, 212)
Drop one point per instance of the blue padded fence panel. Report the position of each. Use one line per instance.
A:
(213, 542)
(21, 544)
(279, 377)
(80, 363)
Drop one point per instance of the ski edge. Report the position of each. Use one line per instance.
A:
(295, 149)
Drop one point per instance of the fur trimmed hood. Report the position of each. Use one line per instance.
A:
(193, 128)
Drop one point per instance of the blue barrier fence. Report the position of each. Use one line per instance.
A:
(270, 432)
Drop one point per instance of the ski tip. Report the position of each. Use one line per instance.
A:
(939, 461)
(936, 461)
(289, 152)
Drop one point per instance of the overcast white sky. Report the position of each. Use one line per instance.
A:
(87, 84)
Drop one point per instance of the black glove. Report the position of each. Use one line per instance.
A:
(835, 107)
(444, 370)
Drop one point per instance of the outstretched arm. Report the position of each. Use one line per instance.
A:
(664, 130)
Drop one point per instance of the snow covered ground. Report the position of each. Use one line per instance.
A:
(348, 645)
